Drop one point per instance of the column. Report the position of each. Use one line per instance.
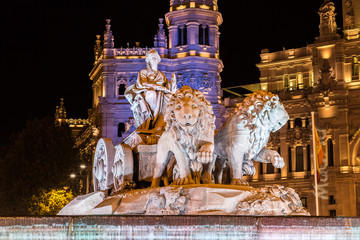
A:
(214, 36)
(305, 157)
(173, 40)
(192, 33)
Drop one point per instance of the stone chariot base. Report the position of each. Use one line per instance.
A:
(178, 227)
(210, 199)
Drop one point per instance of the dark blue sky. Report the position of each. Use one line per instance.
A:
(47, 46)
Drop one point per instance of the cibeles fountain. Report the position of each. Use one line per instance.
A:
(193, 169)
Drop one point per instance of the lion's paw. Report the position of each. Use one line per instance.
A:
(239, 182)
(183, 181)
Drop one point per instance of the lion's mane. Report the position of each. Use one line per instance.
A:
(188, 137)
(254, 113)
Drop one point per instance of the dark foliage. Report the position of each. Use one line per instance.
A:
(41, 156)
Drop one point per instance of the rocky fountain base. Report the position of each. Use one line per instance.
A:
(210, 199)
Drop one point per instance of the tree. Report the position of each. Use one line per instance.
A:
(41, 156)
(51, 202)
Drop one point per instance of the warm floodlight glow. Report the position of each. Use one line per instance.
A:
(73, 175)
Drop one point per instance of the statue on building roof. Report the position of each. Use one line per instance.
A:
(327, 19)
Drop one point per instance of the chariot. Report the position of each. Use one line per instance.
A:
(118, 167)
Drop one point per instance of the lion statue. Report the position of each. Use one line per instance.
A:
(189, 136)
(246, 133)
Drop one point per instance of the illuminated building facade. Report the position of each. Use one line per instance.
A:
(322, 77)
(191, 52)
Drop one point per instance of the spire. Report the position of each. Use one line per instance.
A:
(108, 37)
(60, 113)
(160, 37)
(97, 47)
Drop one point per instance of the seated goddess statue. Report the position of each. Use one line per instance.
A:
(149, 95)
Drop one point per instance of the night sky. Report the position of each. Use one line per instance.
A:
(47, 46)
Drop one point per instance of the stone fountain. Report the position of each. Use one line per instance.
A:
(192, 170)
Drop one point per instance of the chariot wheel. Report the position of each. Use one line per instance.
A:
(103, 162)
(123, 167)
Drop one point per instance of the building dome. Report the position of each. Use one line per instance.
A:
(211, 3)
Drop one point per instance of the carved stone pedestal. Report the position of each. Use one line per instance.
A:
(211, 199)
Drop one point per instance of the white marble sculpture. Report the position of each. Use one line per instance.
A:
(149, 95)
(209, 199)
(103, 162)
(246, 133)
(189, 136)
(123, 167)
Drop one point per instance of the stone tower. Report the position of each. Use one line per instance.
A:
(194, 47)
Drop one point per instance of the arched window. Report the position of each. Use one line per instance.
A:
(121, 89)
(182, 35)
(121, 85)
(203, 34)
(330, 153)
(121, 129)
(299, 159)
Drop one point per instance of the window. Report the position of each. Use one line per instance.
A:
(332, 213)
(270, 168)
(298, 122)
(121, 89)
(300, 82)
(355, 66)
(311, 82)
(203, 34)
(330, 153)
(286, 82)
(299, 159)
(304, 202)
(332, 199)
(121, 129)
(182, 35)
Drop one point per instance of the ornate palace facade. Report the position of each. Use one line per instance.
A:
(322, 77)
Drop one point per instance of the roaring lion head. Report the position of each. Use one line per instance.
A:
(262, 113)
(190, 118)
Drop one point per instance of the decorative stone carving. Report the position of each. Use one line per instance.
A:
(349, 19)
(103, 162)
(123, 167)
(208, 199)
(298, 135)
(189, 136)
(246, 133)
(327, 80)
(327, 19)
